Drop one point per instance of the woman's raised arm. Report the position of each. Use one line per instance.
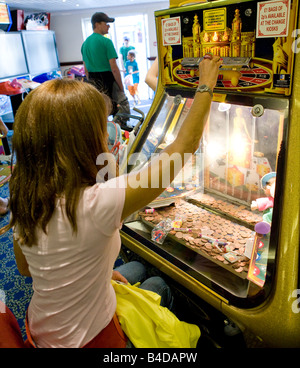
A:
(171, 159)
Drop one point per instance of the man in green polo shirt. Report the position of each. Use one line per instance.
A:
(100, 62)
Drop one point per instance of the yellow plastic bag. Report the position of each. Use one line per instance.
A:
(149, 325)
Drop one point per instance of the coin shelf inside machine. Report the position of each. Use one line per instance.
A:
(209, 231)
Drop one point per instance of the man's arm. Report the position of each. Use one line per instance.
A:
(116, 73)
(186, 142)
(152, 74)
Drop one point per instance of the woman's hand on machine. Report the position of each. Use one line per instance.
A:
(209, 70)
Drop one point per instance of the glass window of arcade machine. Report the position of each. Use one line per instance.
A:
(12, 60)
(41, 52)
(212, 204)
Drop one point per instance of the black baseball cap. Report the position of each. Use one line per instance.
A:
(101, 17)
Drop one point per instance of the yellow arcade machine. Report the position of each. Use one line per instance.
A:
(227, 228)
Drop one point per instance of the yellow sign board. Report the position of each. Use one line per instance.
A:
(214, 19)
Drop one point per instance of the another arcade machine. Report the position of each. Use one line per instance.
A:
(41, 55)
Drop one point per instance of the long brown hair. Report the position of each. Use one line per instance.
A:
(59, 130)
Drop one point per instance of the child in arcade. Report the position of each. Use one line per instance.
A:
(67, 208)
(266, 204)
(132, 77)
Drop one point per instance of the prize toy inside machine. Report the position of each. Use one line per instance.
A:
(216, 228)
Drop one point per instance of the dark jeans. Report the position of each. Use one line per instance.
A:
(104, 82)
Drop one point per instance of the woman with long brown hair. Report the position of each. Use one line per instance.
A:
(66, 224)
